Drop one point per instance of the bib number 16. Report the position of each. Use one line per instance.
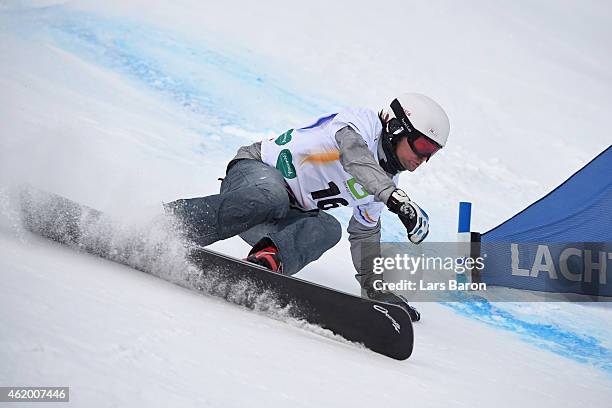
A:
(326, 199)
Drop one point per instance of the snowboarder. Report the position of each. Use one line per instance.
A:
(276, 192)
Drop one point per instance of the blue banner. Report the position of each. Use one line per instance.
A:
(561, 243)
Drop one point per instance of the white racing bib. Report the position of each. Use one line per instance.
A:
(309, 160)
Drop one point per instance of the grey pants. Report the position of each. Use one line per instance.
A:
(254, 203)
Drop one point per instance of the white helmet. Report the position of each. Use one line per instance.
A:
(426, 115)
(412, 115)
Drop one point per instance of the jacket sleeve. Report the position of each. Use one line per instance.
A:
(358, 161)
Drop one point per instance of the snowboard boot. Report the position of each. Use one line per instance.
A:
(386, 296)
(264, 253)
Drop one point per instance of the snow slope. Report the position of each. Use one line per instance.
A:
(123, 105)
(122, 338)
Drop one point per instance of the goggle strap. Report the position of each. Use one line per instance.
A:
(400, 114)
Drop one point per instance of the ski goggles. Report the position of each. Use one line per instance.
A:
(420, 144)
(423, 146)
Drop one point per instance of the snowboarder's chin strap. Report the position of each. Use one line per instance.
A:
(393, 130)
(386, 154)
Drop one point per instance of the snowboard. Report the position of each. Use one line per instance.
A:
(383, 328)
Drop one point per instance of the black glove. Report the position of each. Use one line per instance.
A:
(412, 216)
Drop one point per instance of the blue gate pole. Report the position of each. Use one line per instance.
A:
(465, 218)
